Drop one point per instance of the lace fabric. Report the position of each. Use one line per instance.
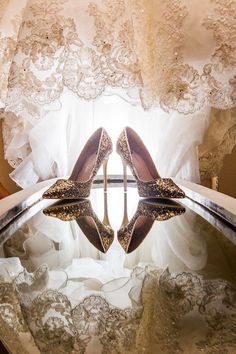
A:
(170, 313)
(133, 44)
(172, 55)
(14, 331)
(219, 140)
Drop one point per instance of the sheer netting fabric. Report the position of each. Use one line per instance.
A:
(64, 62)
(149, 311)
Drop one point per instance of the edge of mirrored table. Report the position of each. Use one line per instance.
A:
(221, 218)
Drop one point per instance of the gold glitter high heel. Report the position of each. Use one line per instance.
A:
(131, 234)
(100, 234)
(95, 152)
(134, 154)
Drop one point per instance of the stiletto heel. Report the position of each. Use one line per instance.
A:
(96, 150)
(105, 217)
(125, 215)
(134, 154)
(125, 175)
(99, 234)
(104, 165)
(131, 234)
(125, 220)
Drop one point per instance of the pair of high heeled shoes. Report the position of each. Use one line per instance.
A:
(101, 235)
(132, 152)
(150, 185)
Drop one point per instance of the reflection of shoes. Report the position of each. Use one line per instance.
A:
(131, 235)
(95, 152)
(134, 154)
(99, 234)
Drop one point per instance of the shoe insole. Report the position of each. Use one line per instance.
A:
(141, 229)
(84, 173)
(141, 168)
(88, 226)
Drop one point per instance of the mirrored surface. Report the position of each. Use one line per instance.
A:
(91, 270)
(164, 233)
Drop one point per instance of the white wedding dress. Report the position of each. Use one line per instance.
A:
(77, 120)
(66, 68)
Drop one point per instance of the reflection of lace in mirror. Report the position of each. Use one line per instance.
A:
(131, 234)
(98, 233)
(168, 314)
(59, 294)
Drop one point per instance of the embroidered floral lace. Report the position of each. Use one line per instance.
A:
(173, 54)
(136, 44)
(169, 313)
(219, 140)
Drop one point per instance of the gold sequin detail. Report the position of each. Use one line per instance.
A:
(75, 210)
(68, 189)
(158, 188)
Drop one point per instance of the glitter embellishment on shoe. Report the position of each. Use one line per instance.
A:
(95, 153)
(134, 154)
(131, 234)
(100, 234)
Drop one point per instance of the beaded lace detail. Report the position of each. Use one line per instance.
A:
(146, 49)
(136, 44)
(211, 162)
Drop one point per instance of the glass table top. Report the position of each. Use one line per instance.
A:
(171, 235)
(96, 272)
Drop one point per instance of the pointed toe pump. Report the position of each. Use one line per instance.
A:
(95, 153)
(98, 233)
(132, 234)
(134, 154)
